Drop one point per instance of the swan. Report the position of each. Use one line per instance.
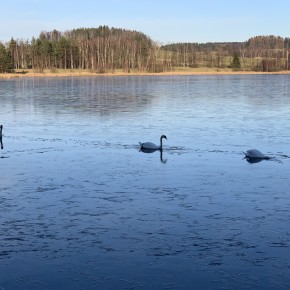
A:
(1, 127)
(152, 146)
(255, 154)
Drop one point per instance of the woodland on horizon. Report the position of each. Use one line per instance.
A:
(105, 50)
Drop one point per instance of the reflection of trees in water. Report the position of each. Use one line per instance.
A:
(107, 95)
(264, 97)
(91, 95)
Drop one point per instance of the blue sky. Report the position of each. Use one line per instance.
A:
(164, 21)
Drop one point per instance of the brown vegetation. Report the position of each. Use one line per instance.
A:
(86, 73)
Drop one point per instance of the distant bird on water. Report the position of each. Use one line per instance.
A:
(255, 156)
(254, 153)
(152, 146)
(1, 127)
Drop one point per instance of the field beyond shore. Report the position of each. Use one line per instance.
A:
(85, 73)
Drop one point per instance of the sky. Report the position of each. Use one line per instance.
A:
(164, 21)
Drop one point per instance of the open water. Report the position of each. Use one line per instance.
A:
(82, 208)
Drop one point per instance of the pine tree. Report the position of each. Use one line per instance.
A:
(6, 61)
(236, 64)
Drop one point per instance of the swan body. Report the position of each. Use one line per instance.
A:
(1, 127)
(254, 153)
(152, 146)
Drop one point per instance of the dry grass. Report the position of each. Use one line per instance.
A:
(175, 71)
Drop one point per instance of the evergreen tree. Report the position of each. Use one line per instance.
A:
(6, 61)
(236, 64)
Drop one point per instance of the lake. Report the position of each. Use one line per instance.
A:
(81, 207)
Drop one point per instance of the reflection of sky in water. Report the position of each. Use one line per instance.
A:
(81, 207)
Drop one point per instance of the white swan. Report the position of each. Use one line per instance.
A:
(254, 153)
(152, 146)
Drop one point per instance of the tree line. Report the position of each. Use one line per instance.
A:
(105, 49)
(100, 49)
(259, 53)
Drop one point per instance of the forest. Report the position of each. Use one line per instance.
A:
(105, 50)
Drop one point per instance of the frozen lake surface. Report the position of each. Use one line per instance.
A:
(82, 208)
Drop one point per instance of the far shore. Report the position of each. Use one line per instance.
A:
(89, 73)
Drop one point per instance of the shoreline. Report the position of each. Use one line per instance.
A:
(86, 73)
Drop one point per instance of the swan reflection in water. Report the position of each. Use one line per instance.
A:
(1, 127)
(145, 150)
(254, 160)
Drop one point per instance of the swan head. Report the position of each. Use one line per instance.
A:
(163, 136)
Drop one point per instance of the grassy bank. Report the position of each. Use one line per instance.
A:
(80, 73)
